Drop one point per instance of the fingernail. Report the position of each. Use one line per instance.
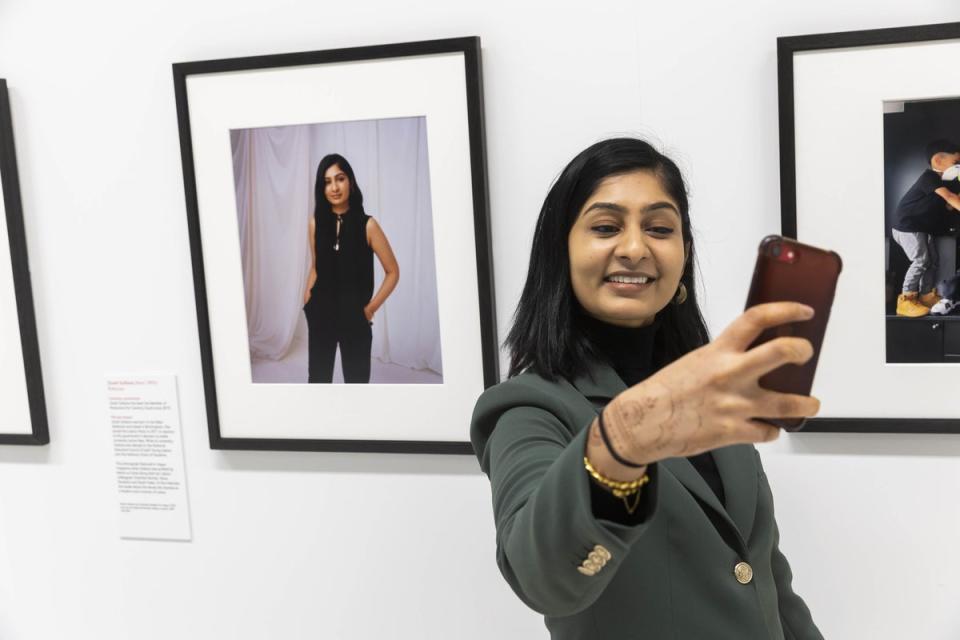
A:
(808, 311)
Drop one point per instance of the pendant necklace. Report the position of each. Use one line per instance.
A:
(336, 245)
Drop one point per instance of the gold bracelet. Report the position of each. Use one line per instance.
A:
(617, 488)
(622, 490)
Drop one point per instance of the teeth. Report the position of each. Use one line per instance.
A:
(629, 279)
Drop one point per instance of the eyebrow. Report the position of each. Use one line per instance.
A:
(619, 208)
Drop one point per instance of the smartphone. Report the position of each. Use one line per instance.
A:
(788, 271)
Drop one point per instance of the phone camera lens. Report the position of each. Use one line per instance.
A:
(775, 250)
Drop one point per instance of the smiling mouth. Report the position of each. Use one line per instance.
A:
(629, 279)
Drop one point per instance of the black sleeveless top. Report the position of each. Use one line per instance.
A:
(344, 261)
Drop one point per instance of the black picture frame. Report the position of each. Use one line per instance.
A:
(787, 48)
(470, 48)
(9, 177)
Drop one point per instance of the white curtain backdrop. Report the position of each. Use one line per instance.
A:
(275, 169)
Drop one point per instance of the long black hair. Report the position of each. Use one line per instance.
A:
(546, 336)
(322, 206)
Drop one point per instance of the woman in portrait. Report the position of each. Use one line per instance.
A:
(629, 500)
(339, 303)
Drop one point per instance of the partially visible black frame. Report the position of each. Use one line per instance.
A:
(21, 282)
(786, 48)
(470, 47)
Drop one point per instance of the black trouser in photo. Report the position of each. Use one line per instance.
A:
(326, 330)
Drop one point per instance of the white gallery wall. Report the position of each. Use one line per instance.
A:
(351, 546)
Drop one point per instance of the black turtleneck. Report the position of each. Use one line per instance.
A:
(630, 352)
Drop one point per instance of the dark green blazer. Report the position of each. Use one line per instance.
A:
(670, 574)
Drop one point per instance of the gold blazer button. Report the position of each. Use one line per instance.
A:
(602, 550)
(743, 572)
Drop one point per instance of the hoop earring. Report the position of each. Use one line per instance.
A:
(681, 296)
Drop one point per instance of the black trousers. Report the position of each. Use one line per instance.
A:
(329, 327)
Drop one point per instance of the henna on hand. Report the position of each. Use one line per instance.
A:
(709, 397)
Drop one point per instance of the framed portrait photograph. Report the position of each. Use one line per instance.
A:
(339, 231)
(870, 168)
(23, 414)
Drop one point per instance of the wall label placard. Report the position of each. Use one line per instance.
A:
(144, 420)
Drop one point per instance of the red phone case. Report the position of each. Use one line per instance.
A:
(787, 270)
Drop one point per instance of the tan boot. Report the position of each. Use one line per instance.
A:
(931, 298)
(908, 304)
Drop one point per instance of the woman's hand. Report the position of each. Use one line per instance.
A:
(368, 313)
(311, 280)
(709, 398)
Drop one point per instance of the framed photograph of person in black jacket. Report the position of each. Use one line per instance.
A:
(23, 415)
(870, 168)
(337, 210)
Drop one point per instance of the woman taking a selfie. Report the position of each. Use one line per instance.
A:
(629, 501)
